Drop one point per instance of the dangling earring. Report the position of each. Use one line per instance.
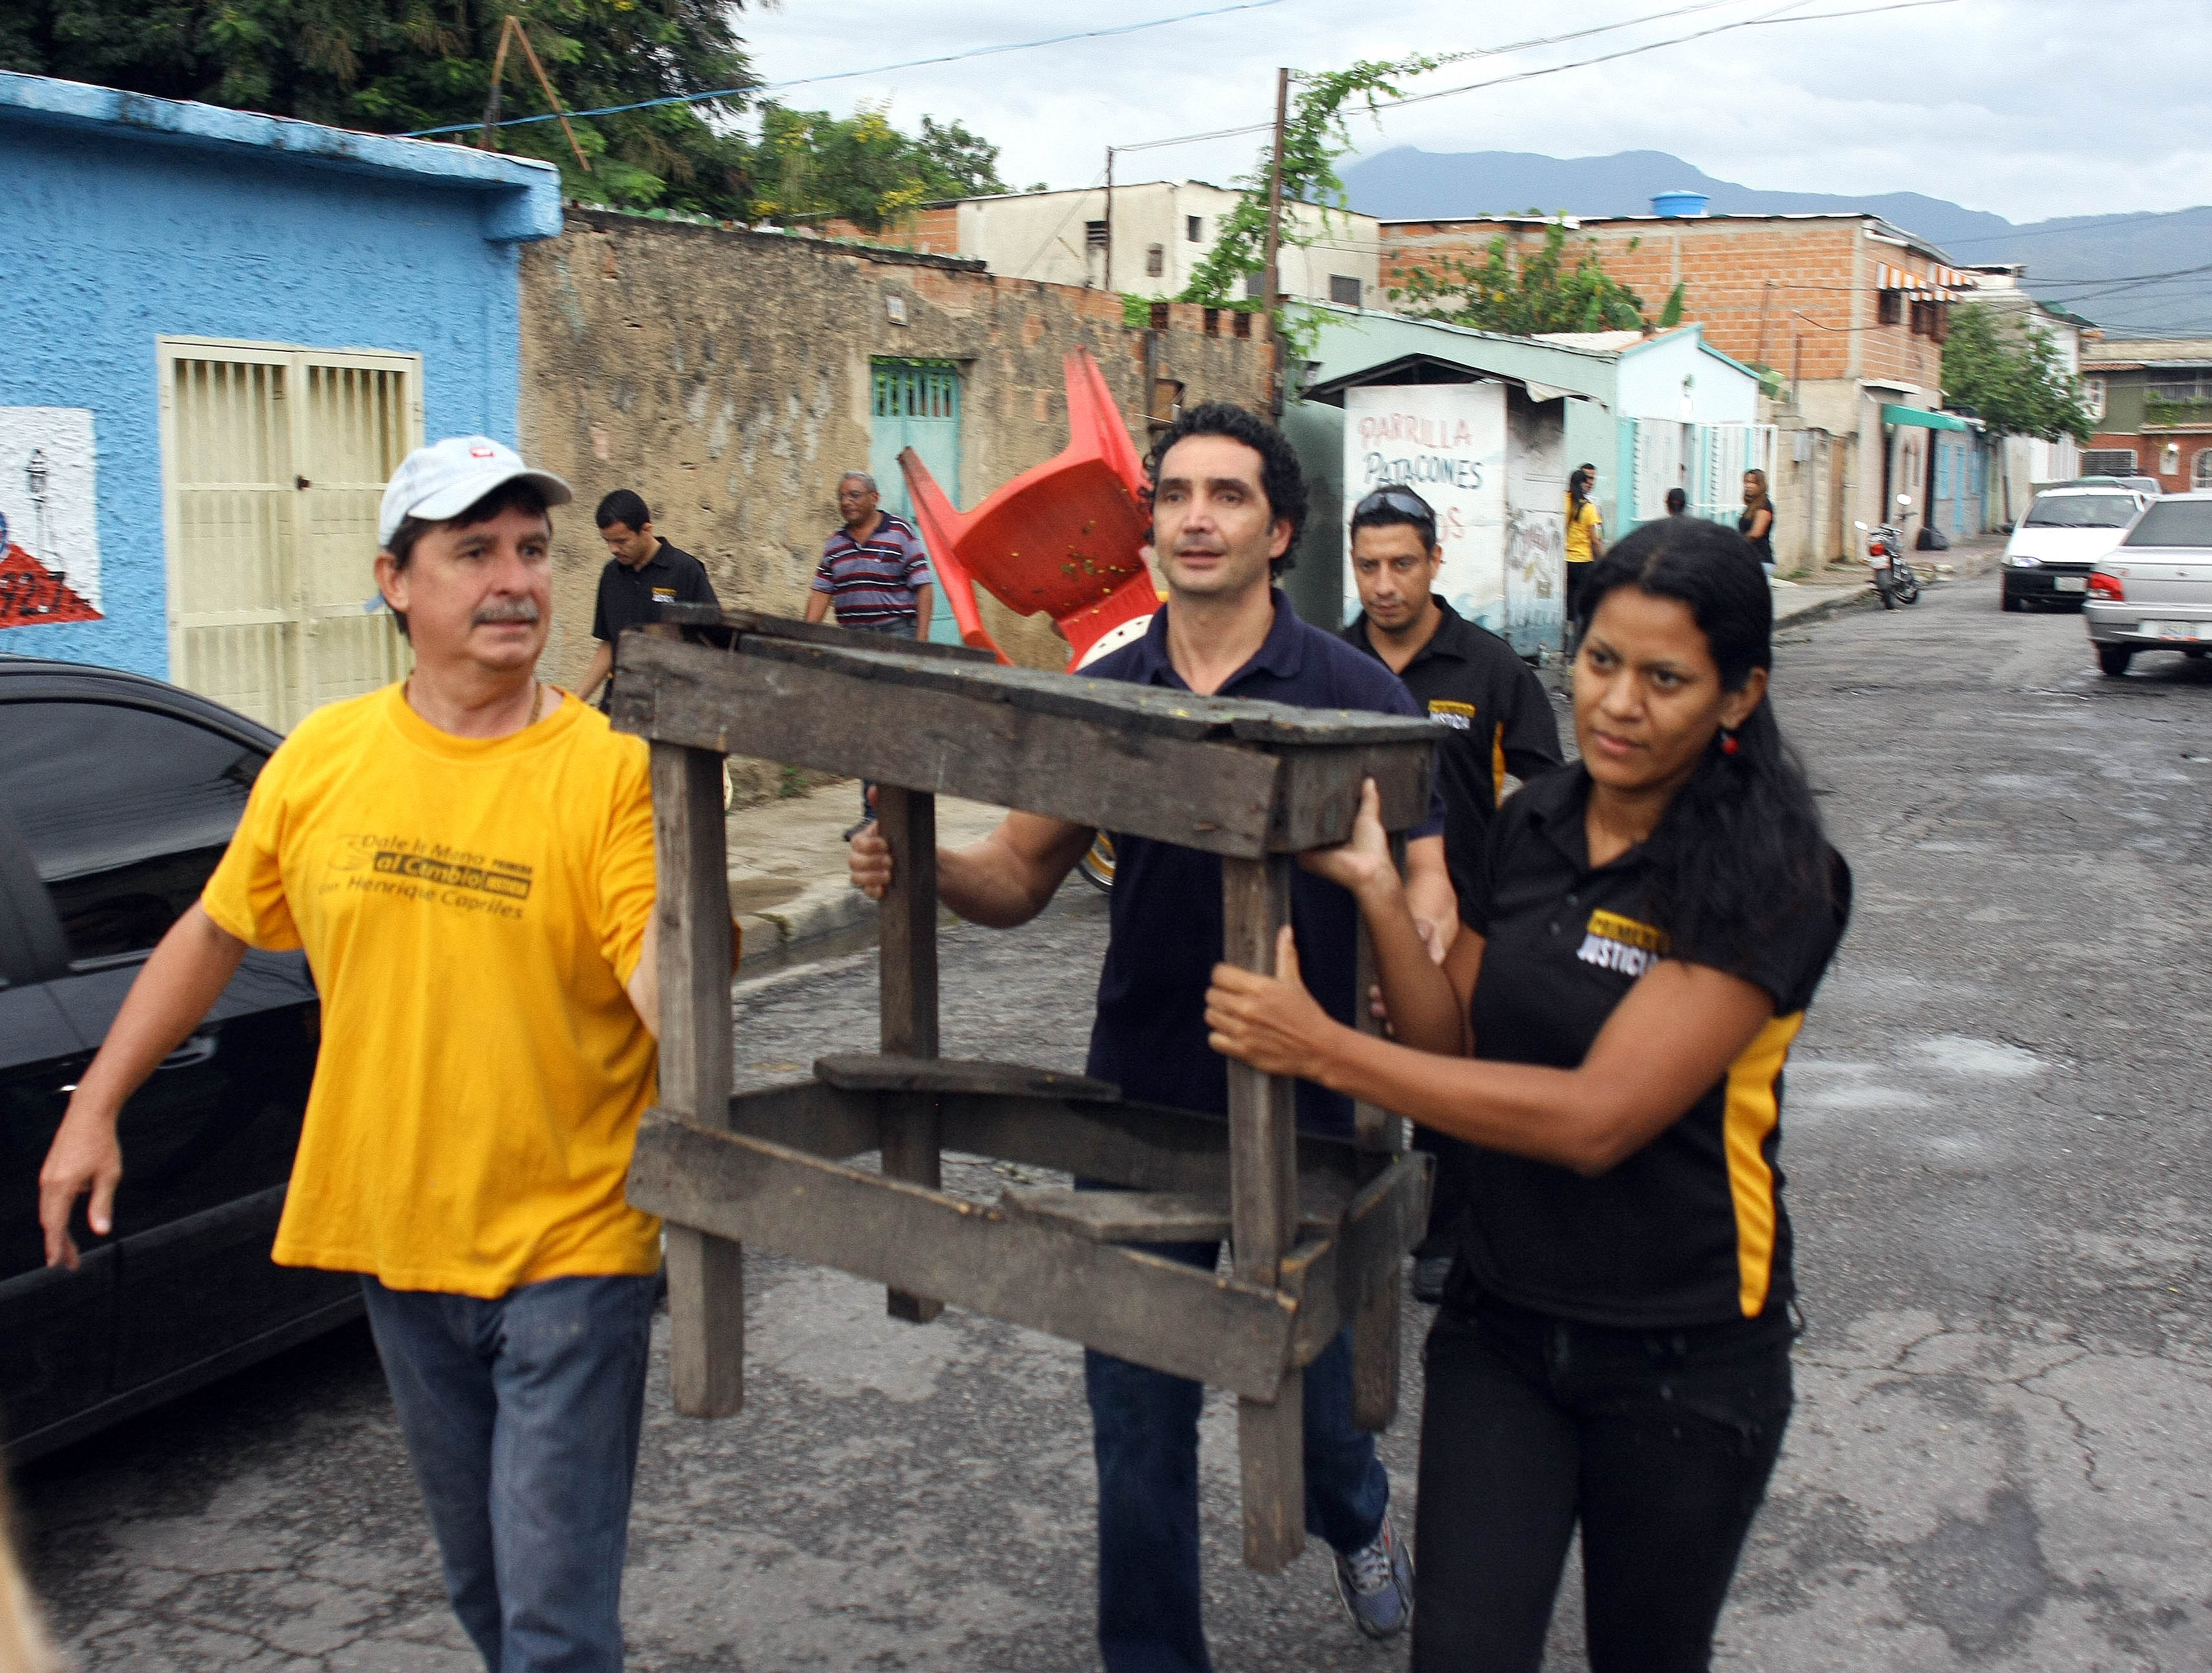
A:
(1728, 741)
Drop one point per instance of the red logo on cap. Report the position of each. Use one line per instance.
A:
(479, 453)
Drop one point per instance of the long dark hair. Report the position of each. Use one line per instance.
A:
(1740, 851)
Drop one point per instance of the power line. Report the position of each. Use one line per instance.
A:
(1780, 15)
(848, 74)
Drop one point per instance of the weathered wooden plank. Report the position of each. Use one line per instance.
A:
(1365, 1252)
(1318, 794)
(691, 908)
(860, 1071)
(1143, 1146)
(1134, 1306)
(1263, 1206)
(1215, 796)
(908, 1014)
(1159, 710)
(807, 1115)
(1144, 1216)
(709, 625)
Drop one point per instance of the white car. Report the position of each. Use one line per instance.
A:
(2154, 591)
(2059, 543)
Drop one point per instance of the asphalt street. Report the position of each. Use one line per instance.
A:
(1996, 1143)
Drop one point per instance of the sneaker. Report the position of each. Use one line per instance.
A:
(1376, 1583)
(1430, 1272)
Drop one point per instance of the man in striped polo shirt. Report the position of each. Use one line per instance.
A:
(875, 573)
(873, 570)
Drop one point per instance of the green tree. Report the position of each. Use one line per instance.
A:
(1522, 292)
(2009, 376)
(393, 66)
(1315, 133)
(811, 166)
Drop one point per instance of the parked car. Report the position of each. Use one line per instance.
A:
(2149, 487)
(117, 795)
(2066, 530)
(2154, 591)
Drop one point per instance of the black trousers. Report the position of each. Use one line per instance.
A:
(1659, 1443)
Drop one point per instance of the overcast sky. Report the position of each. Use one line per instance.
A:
(2029, 108)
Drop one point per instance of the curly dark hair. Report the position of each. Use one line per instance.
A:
(1281, 479)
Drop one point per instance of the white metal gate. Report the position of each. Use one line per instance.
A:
(1705, 461)
(274, 460)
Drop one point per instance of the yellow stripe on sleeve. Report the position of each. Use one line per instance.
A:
(1498, 765)
(1749, 1115)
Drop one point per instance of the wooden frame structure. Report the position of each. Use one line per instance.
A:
(1317, 1226)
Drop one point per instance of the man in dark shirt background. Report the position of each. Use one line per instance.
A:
(1497, 721)
(643, 570)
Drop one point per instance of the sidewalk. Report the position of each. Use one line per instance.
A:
(788, 880)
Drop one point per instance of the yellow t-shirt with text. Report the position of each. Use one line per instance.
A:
(471, 908)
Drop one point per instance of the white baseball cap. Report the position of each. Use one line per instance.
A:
(446, 477)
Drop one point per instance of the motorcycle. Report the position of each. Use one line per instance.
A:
(1894, 583)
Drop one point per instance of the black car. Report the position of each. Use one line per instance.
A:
(117, 795)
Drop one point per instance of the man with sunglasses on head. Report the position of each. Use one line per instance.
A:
(1497, 724)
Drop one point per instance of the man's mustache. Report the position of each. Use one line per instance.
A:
(504, 610)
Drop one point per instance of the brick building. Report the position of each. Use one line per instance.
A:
(1845, 313)
(2151, 400)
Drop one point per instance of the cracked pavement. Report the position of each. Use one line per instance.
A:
(1996, 1143)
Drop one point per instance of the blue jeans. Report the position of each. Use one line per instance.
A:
(522, 1419)
(1145, 1435)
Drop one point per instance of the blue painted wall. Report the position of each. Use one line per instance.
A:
(116, 237)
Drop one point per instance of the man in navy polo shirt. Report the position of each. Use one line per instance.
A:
(1228, 503)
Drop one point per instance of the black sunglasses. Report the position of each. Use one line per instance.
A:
(1396, 499)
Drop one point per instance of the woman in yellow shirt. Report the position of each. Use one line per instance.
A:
(1585, 533)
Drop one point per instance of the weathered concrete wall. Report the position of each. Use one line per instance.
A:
(724, 376)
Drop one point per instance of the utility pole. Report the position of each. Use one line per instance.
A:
(1270, 282)
(1109, 283)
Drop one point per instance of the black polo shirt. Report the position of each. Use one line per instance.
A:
(1690, 1230)
(1497, 719)
(627, 596)
(1165, 910)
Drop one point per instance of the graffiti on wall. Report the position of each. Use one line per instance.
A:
(49, 519)
(1446, 442)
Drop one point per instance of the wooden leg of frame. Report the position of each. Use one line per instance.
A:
(1263, 1212)
(705, 1275)
(907, 820)
(1375, 1353)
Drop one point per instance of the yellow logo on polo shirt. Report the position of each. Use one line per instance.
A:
(664, 595)
(1614, 942)
(1460, 716)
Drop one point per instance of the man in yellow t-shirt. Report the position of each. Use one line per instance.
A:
(466, 858)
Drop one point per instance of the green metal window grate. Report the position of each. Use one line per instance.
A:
(916, 389)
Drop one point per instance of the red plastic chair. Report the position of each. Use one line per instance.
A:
(1066, 537)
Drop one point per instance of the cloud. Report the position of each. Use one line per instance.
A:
(2028, 108)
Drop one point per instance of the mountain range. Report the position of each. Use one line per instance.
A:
(2140, 274)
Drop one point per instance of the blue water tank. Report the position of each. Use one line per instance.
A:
(1673, 204)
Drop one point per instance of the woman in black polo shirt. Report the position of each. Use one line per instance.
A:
(1647, 931)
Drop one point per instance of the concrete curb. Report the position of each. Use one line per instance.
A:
(828, 907)
(1819, 610)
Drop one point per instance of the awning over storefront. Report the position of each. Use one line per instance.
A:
(1927, 421)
